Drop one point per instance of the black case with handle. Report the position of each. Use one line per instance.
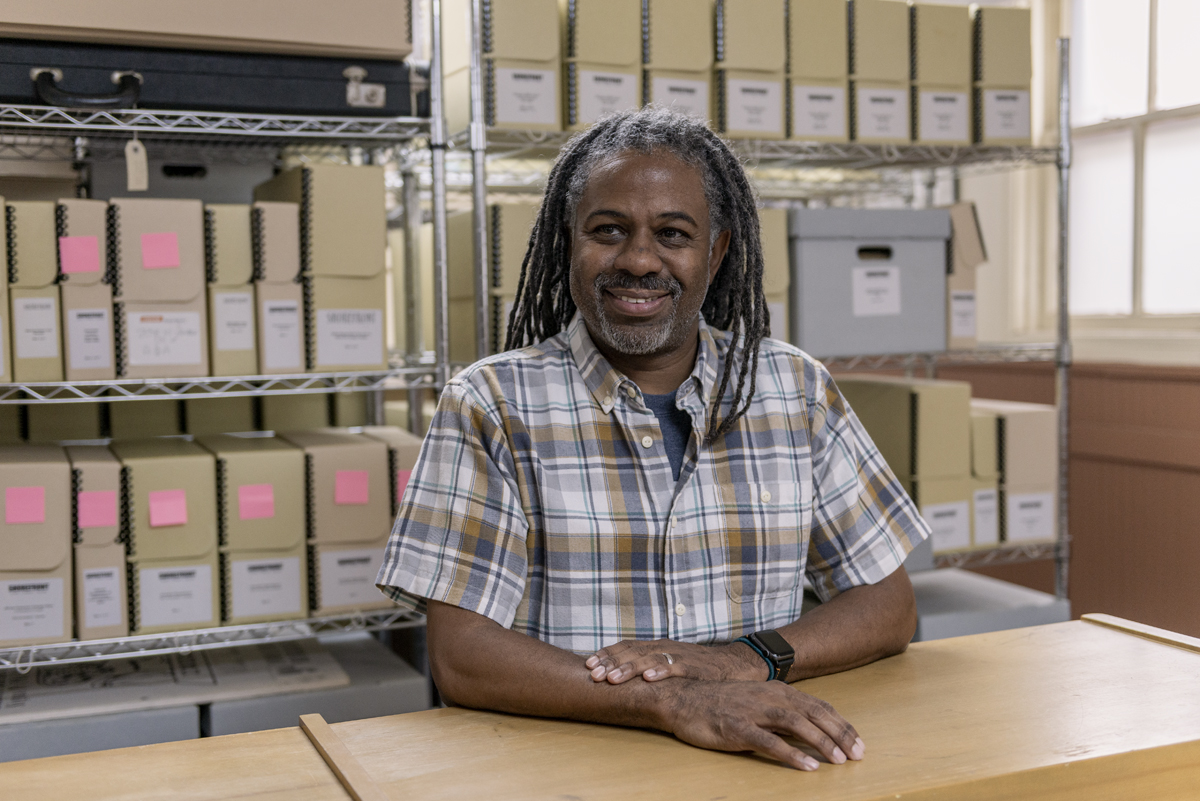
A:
(74, 75)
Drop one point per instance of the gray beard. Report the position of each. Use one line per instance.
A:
(639, 341)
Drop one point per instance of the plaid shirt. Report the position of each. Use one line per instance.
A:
(543, 499)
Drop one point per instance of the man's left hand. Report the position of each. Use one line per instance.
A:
(655, 660)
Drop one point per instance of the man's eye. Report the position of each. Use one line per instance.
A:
(606, 230)
(672, 234)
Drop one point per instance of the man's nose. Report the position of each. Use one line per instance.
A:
(639, 256)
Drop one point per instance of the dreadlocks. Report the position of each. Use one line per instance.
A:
(735, 300)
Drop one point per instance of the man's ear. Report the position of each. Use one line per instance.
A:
(717, 253)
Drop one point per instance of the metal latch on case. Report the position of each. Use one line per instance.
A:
(363, 95)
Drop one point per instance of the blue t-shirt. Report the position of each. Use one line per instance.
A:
(676, 425)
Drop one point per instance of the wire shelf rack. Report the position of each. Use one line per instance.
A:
(1039, 352)
(25, 658)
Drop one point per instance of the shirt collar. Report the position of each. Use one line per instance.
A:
(606, 383)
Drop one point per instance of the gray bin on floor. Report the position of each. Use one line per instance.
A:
(868, 281)
(381, 683)
(44, 738)
(953, 602)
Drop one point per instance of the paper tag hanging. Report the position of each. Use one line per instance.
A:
(137, 173)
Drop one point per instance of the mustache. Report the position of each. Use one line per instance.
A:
(646, 283)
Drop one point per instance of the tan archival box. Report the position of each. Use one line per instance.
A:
(98, 496)
(818, 39)
(679, 32)
(1027, 438)
(294, 412)
(604, 59)
(968, 254)
(880, 45)
(522, 57)
(174, 594)
(101, 596)
(205, 416)
(347, 325)
(755, 35)
(260, 586)
(776, 271)
(5, 310)
(55, 422)
(144, 418)
(87, 303)
(343, 577)
(36, 332)
(941, 44)
(275, 238)
(945, 503)
(1003, 46)
(229, 264)
(35, 545)
(280, 315)
(348, 495)
(403, 449)
(261, 492)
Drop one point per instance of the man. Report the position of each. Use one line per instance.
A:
(611, 523)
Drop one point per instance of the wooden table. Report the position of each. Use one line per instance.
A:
(1083, 710)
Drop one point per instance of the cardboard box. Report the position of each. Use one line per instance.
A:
(752, 35)
(942, 114)
(343, 577)
(87, 325)
(349, 498)
(97, 476)
(82, 241)
(678, 32)
(275, 240)
(144, 418)
(820, 111)
(751, 105)
(869, 281)
(259, 586)
(169, 494)
(1027, 441)
(603, 59)
(985, 455)
(159, 249)
(941, 44)
(101, 602)
(879, 41)
(1002, 48)
(35, 545)
(204, 416)
(281, 339)
(920, 426)
(985, 512)
(403, 449)
(346, 329)
(945, 503)
(819, 39)
(294, 412)
(342, 217)
(1002, 116)
(32, 240)
(1028, 514)
(33, 291)
(230, 268)
(881, 113)
(349, 409)
(967, 254)
(58, 422)
(162, 340)
(174, 594)
(260, 492)
(688, 93)
(776, 269)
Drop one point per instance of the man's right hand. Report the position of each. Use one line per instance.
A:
(756, 716)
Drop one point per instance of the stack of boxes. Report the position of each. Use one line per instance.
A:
(1003, 71)
(1027, 464)
(967, 254)
(879, 71)
(278, 289)
(751, 68)
(603, 59)
(87, 298)
(230, 268)
(818, 67)
(101, 609)
(33, 291)
(678, 55)
(941, 74)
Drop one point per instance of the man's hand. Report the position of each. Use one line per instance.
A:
(756, 716)
(655, 660)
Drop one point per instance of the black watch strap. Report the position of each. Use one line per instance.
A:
(774, 650)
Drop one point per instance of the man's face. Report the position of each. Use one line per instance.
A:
(640, 256)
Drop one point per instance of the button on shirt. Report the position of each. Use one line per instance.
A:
(538, 503)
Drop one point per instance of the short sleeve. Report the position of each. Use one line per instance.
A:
(864, 523)
(459, 537)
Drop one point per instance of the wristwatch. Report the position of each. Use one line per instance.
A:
(774, 650)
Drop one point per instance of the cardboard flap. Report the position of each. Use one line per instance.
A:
(33, 239)
(681, 35)
(969, 250)
(755, 35)
(606, 32)
(818, 39)
(942, 44)
(160, 249)
(98, 494)
(349, 487)
(227, 240)
(276, 238)
(83, 243)
(881, 40)
(522, 29)
(262, 489)
(35, 492)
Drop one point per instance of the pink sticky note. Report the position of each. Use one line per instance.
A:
(160, 250)
(168, 508)
(24, 505)
(256, 501)
(351, 487)
(97, 509)
(79, 254)
(402, 477)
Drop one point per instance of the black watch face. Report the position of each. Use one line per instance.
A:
(774, 642)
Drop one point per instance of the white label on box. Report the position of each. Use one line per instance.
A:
(755, 106)
(686, 97)
(818, 111)
(779, 321)
(31, 609)
(962, 313)
(950, 524)
(89, 339)
(102, 597)
(882, 114)
(600, 93)
(1029, 517)
(36, 324)
(526, 96)
(1005, 114)
(162, 338)
(348, 577)
(349, 337)
(876, 291)
(987, 520)
(281, 335)
(233, 316)
(175, 596)
(266, 586)
(945, 117)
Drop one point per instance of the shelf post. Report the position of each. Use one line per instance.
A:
(479, 185)
(414, 326)
(1063, 362)
(437, 148)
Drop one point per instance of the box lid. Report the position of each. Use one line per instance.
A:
(681, 35)
(262, 491)
(880, 44)
(160, 249)
(83, 261)
(227, 238)
(275, 230)
(98, 496)
(755, 35)
(35, 490)
(984, 456)
(605, 32)
(522, 29)
(818, 39)
(349, 496)
(941, 44)
(870, 223)
(32, 256)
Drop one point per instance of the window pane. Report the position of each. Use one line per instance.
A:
(1170, 256)
(1111, 65)
(1178, 76)
(1101, 220)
